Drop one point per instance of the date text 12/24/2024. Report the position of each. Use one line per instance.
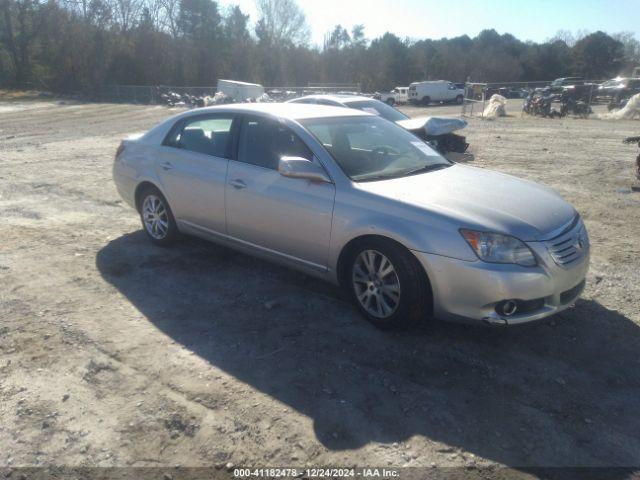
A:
(316, 473)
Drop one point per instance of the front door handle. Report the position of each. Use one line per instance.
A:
(166, 165)
(238, 184)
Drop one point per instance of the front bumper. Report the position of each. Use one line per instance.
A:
(469, 291)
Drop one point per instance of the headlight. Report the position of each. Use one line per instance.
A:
(497, 248)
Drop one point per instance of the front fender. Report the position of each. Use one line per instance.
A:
(416, 229)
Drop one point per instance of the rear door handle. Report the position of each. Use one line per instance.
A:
(166, 165)
(238, 184)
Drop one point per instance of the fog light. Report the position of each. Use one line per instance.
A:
(507, 308)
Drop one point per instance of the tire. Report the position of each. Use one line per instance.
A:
(426, 101)
(404, 291)
(157, 218)
(459, 99)
(390, 101)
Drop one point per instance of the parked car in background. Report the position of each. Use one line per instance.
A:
(356, 200)
(398, 95)
(438, 131)
(370, 105)
(515, 92)
(573, 86)
(559, 83)
(424, 93)
(609, 88)
(618, 91)
(506, 92)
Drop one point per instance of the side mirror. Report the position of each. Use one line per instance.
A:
(298, 167)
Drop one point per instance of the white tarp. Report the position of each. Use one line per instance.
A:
(433, 125)
(496, 107)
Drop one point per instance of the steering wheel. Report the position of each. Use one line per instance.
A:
(384, 150)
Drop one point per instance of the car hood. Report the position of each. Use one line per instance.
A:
(481, 199)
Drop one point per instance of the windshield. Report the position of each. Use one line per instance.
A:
(371, 148)
(378, 108)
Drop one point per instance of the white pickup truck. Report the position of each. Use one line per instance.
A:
(397, 95)
(425, 93)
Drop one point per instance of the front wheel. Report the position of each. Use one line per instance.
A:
(459, 99)
(390, 101)
(387, 285)
(426, 101)
(157, 219)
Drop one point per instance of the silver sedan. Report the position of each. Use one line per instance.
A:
(354, 199)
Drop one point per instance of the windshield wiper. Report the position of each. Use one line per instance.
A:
(427, 168)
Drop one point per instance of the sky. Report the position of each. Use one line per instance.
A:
(535, 20)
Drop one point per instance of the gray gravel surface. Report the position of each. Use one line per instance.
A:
(114, 352)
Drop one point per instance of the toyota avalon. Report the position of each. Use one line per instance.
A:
(354, 199)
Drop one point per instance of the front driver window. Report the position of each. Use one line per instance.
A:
(264, 140)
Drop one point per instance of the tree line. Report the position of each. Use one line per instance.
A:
(78, 45)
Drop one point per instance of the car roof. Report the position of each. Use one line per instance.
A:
(292, 111)
(338, 97)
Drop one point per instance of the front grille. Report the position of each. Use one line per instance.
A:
(569, 246)
(567, 296)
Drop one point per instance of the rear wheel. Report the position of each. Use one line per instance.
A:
(157, 218)
(387, 285)
(459, 99)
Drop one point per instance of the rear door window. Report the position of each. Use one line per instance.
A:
(210, 135)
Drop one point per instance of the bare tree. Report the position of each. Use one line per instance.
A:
(565, 36)
(281, 22)
(631, 47)
(126, 13)
(169, 11)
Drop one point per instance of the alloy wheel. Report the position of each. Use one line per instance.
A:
(155, 217)
(376, 284)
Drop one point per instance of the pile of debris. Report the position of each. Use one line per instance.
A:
(630, 111)
(496, 108)
(173, 99)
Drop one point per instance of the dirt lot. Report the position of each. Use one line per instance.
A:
(118, 353)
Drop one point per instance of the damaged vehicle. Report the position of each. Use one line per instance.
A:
(438, 131)
(353, 199)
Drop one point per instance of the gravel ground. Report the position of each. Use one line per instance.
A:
(117, 353)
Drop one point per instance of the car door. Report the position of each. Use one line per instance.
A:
(192, 167)
(288, 217)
